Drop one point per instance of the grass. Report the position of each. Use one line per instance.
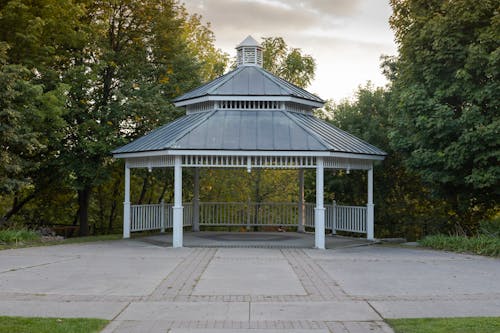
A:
(482, 245)
(7, 243)
(8, 236)
(446, 325)
(51, 325)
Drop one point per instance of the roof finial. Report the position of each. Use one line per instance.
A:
(249, 52)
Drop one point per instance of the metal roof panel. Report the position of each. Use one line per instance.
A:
(251, 130)
(249, 81)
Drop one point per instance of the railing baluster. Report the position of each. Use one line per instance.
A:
(343, 218)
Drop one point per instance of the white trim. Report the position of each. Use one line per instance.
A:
(126, 203)
(319, 210)
(177, 209)
(370, 216)
(221, 153)
(247, 153)
(249, 98)
(358, 156)
(249, 162)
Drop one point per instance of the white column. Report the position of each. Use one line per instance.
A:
(370, 216)
(319, 211)
(196, 200)
(301, 226)
(177, 209)
(126, 203)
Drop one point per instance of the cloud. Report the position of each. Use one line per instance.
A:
(333, 8)
(258, 16)
(346, 37)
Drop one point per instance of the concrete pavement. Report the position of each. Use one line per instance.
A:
(146, 287)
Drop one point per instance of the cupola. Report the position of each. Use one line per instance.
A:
(249, 52)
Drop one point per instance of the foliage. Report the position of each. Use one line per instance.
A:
(259, 185)
(445, 97)
(288, 63)
(490, 227)
(446, 325)
(80, 78)
(404, 206)
(9, 236)
(482, 245)
(29, 120)
(51, 325)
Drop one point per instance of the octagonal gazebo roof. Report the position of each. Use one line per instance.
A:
(249, 110)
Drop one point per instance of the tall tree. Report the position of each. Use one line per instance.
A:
(108, 67)
(137, 59)
(446, 99)
(288, 63)
(405, 207)
(34, 43)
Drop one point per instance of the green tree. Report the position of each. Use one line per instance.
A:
(110, 69)
(288, 63)
(136, 59)
(30, 123)
(404, 205)
(445, 99)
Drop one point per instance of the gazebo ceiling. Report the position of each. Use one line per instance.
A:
(276, 130)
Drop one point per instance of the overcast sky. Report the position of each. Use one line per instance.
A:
(346, 37)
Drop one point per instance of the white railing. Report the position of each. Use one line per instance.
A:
(160, 216)
(187, 215)
(146, 217)
(345, 218)
(309, 215)
(249, 214)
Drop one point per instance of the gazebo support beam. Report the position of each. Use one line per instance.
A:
(177, 209)
(126, 203)
(196, 200)
(301, 226)
(370, 215)
(319, 211)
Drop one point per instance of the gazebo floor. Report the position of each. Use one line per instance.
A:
(254, 240)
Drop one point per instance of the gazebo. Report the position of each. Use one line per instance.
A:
(249, 118)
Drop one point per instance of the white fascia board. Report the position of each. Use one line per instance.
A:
(357, 156)
(247, 153)
(249, 98)
(220, 153)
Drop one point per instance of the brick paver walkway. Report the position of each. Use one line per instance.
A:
(146, 287)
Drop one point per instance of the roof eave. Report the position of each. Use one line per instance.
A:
(206, 98)
(189, 152)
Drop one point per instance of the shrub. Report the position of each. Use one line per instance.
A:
(482, 245)
(8, 236)
(490, 227)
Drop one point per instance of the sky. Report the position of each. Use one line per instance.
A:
(345, 37)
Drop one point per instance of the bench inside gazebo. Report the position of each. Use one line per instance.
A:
(249, 118)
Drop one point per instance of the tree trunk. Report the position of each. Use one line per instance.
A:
(114, 204)
(145, 187)
(16, 207)
(83, 209)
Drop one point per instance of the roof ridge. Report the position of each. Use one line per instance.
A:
(352, 136)
(226, 78)
(272, 77)
(296, 122)
(192, 128)
(217, 82)
(276, 79)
